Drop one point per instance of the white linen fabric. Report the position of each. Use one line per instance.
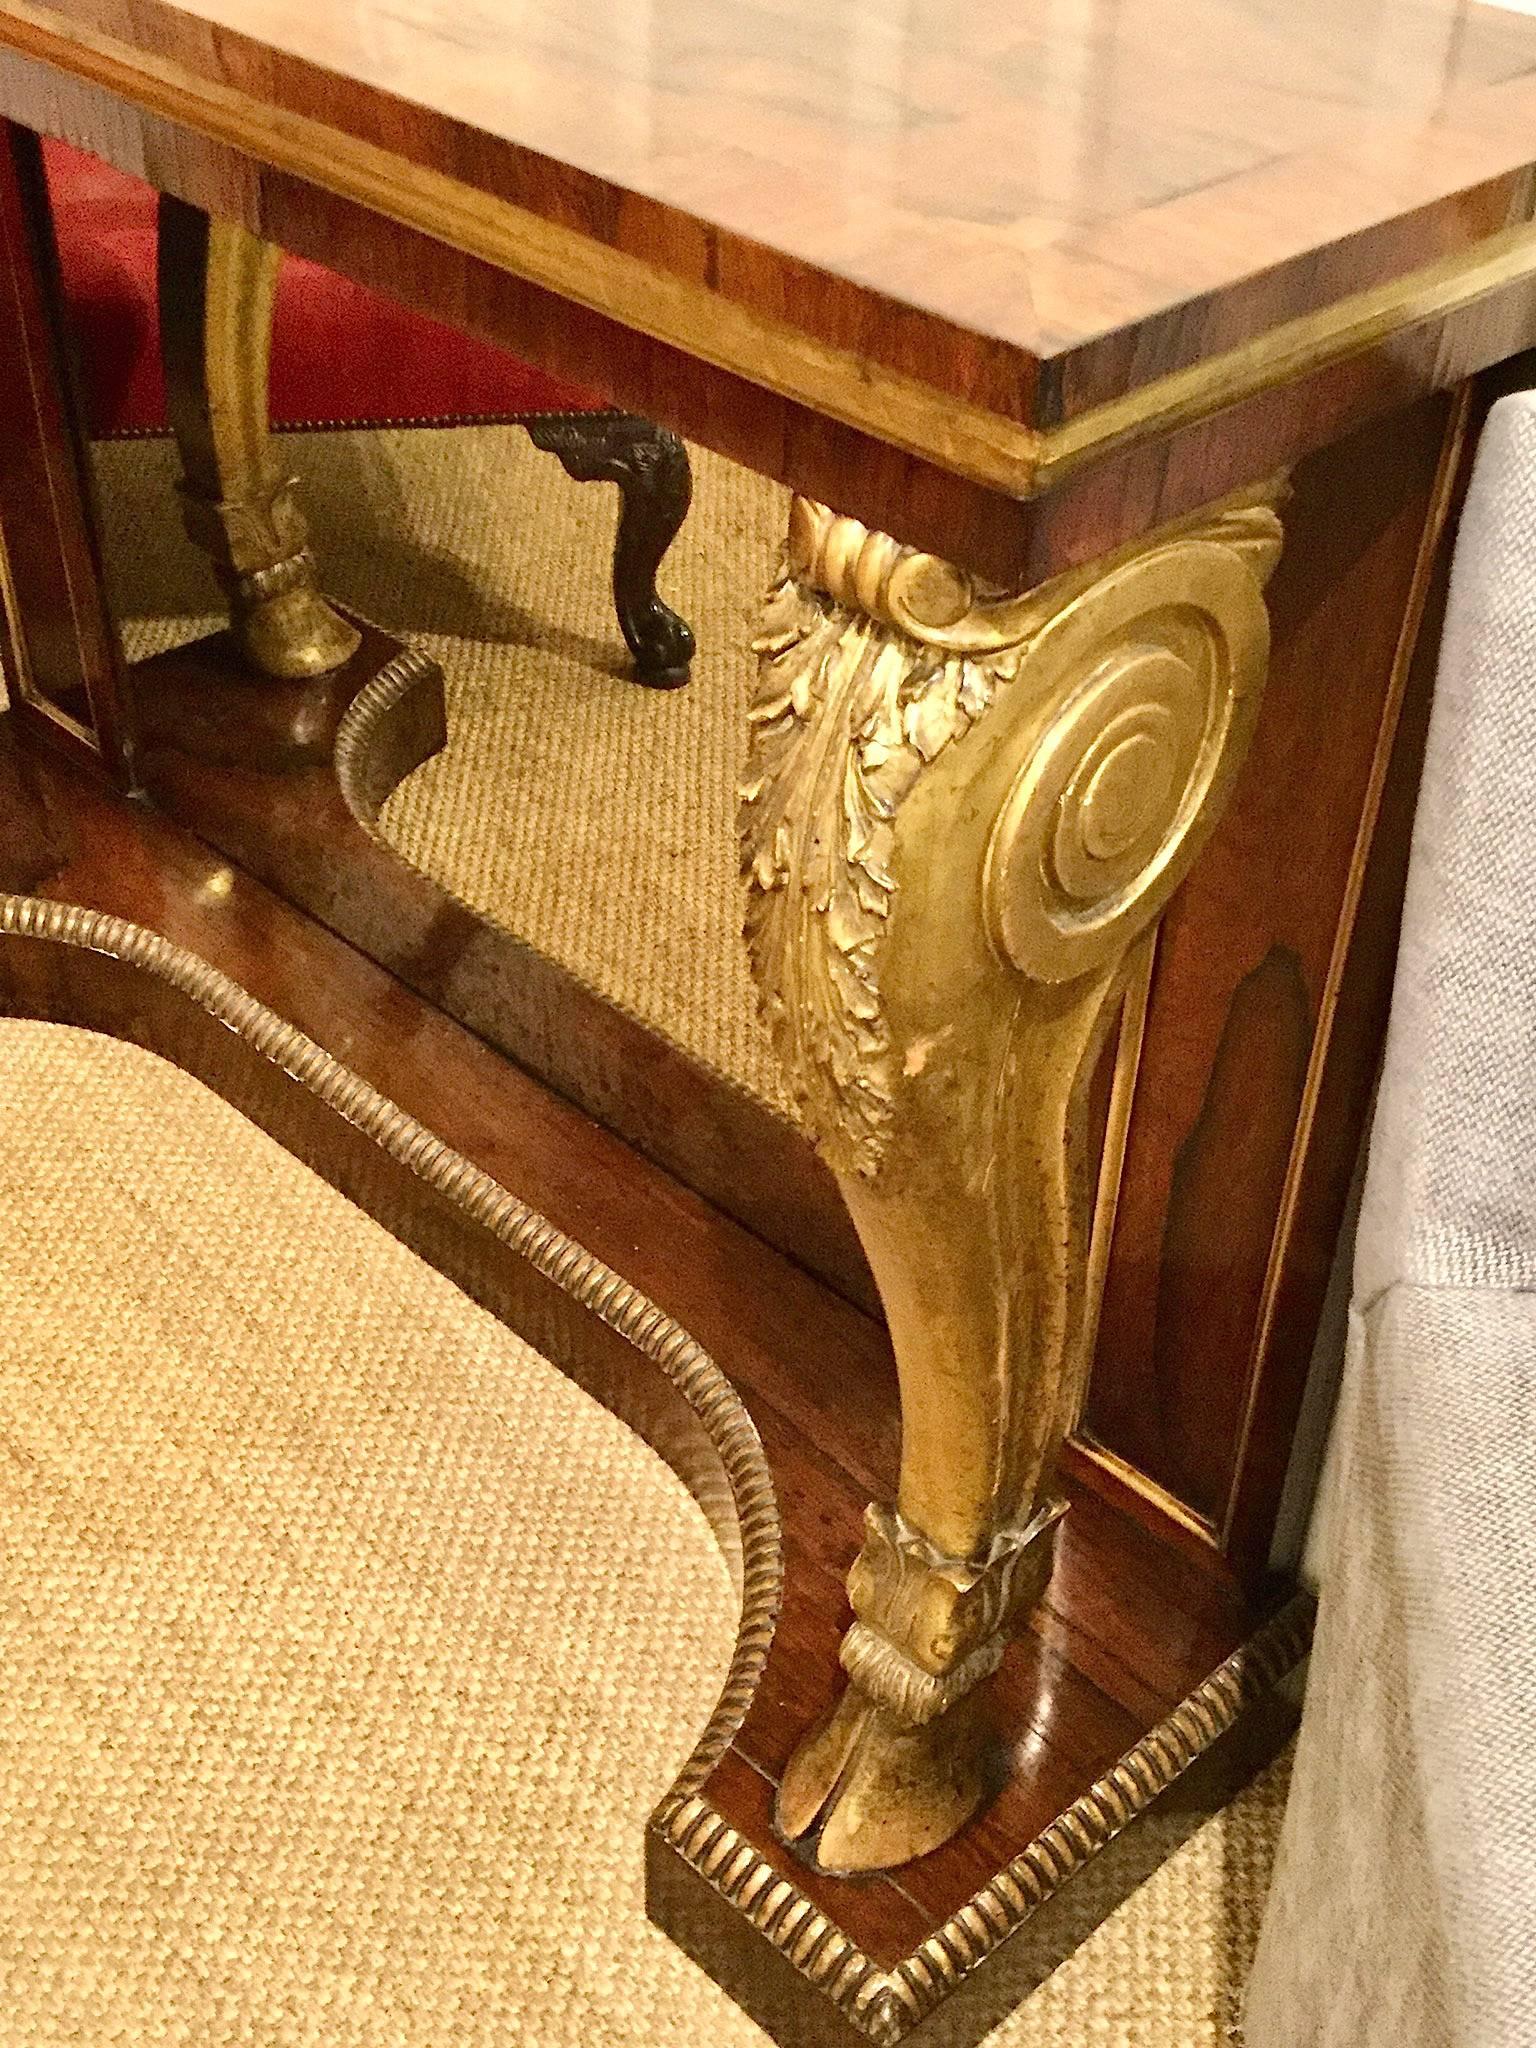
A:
(1403, 1910)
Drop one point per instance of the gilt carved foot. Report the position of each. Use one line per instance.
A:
(907, 1754)
(962, 811)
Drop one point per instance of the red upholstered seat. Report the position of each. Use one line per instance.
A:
(339, 352)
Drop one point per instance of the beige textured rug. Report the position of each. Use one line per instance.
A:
(569, 801)
(346, 1645)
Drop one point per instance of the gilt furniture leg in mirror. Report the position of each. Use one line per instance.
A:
(217, 286)
(962, 810)
(240, 503)
(279, 738)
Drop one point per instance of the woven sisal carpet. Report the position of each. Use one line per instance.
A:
(346, 1645)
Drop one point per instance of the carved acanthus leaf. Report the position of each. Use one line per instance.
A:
(846, 715)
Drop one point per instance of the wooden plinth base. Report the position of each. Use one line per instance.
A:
(1126, 1736)
(1143, 1691)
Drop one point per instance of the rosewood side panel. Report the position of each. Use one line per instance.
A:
(1268, 1000)
(63, 670)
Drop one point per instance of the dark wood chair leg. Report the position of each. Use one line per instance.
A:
(650, 466)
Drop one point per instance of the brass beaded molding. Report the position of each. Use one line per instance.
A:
(362, 779)
(569, 1265)
(885, 2005)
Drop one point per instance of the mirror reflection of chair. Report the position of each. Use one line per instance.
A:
(343, 356)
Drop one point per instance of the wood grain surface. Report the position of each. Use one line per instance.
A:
(61, 665)
(1274, 231)
(1012, 183)
(1270, 997)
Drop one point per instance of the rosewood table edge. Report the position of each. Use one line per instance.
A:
(1018, 461)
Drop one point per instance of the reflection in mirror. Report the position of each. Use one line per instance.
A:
(515, 872)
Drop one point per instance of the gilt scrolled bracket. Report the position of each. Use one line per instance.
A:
(961, 810)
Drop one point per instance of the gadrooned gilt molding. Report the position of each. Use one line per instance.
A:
(873, 660)
(569, 1265)
(928, 1627)
(364, 774)
(885, 2005)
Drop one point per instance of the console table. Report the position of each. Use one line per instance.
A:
(1124, 365)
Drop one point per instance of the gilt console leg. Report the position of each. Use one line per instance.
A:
(217, 283)
(961, 810)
